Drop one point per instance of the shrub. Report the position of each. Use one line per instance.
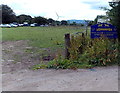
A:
(77, 44)
(86, 53)
(95, 52)
(102, 51)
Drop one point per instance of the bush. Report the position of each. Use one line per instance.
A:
(95, 52)
(102, 52)
(87, 53)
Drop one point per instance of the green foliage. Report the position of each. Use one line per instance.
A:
(87, 53)
(39, 66)
(8, 15)
(64, 22)
(59, 63)
(77, 44)
(40, 20)
(24, 18)
(102, 52)
(114, 14)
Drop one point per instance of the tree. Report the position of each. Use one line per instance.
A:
(40, 20)
(58, 23)
(0, 14)
(95, 21)
(8, 16)
(103, 17)
(90, 23)
(51, 21)
(24, 18)
(63, 22)
(114, 15)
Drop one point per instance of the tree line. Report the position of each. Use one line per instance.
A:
(9, 16)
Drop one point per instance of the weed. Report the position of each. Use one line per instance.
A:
(28, 50)
(39, 66)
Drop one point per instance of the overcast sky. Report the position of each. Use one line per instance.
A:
(66, 9)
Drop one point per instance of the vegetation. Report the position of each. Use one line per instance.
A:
(24, 18)
(8, 15)
(114, 15)
(86, 53)
(42, 37)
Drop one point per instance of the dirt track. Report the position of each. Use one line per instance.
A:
(17, 77)
(99, 79)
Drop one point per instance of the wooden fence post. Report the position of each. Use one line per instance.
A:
(83, 42)
(67, 45)
(114, 40)
(86, 30)
(83, 35)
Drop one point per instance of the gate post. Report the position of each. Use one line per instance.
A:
(67, 46)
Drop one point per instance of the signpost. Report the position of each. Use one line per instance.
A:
(103, 29)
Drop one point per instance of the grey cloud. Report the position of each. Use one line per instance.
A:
(96, 4)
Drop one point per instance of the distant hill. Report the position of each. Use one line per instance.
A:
(76, 21)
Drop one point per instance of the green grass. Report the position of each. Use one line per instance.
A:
(42, 37)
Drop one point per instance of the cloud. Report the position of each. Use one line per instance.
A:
(96, 4)
(68, 9)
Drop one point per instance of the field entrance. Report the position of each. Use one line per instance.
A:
(24, 47)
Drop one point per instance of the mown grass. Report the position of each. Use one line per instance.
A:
(42, 37)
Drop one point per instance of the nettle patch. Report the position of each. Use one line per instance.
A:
(86, 53)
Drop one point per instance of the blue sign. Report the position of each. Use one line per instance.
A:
(103, 29)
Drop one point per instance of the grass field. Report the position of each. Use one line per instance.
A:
(42, 37)
(48, 45)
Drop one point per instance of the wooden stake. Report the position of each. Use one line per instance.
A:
(67, 46)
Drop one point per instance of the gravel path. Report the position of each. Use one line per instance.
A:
(99, 79)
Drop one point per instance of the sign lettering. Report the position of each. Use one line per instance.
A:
(105, 29)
